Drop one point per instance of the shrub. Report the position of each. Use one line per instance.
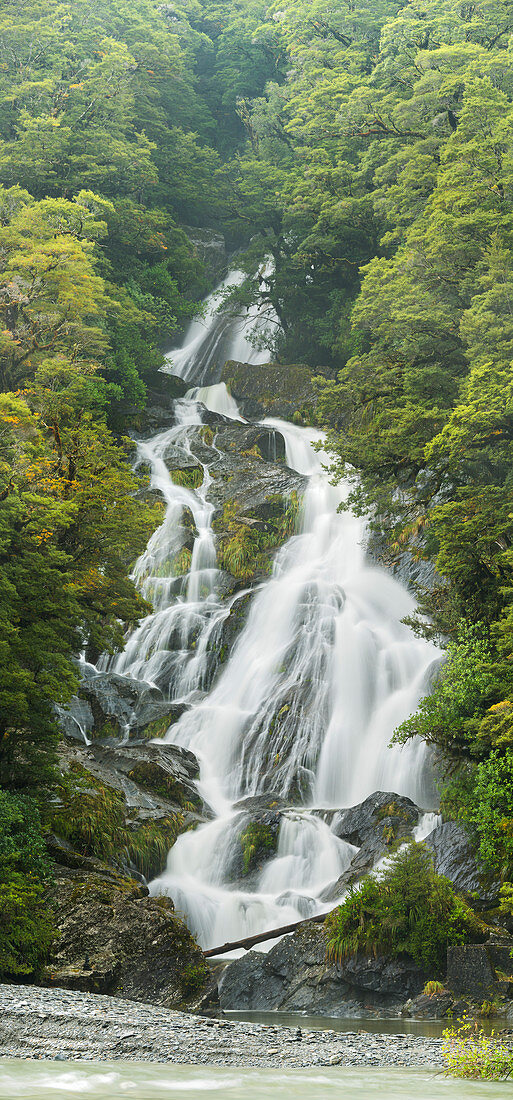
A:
(446, 717)
(26, 925)
(407, 909)
(470, 1053)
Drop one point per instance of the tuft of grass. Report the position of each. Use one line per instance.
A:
(244, 550)
(190, 478)
(433, 989)
(182, 562)
(93, 817)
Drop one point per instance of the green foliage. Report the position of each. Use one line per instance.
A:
(95, 819)
(481, 798)
(469, 1053)
(257, 841)
(406, 910)
(447, 717)
(245, 550)
(26, 926)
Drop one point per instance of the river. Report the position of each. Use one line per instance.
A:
(50, 1081)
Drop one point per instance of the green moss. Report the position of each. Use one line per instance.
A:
(207, 435)
(193, 978)
(157, 728)
(153, 778)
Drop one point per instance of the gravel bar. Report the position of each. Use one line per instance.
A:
(64, 1025)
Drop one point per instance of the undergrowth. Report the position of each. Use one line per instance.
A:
(406, 909)
(469, 1053)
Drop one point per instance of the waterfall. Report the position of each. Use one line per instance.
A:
(218, 335)
(301, 714)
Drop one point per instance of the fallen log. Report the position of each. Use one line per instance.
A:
(250, 941)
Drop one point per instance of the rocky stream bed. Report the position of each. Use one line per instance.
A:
(63, 1025)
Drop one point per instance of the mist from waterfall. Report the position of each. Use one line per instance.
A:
(304, 708)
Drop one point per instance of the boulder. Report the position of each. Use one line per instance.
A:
(109, 705)
(113, 938)
(295, 976)
(435, 1006)
(373, 826)
(273, 389)
(454, 857)
(154, 779)
(470, 970)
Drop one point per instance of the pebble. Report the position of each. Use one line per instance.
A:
(62, 1024)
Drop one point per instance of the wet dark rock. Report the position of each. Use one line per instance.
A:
(111, 705)
(414, 571)
(249, 482)
(273, 389)
(372, 826)
(296, 977)
(436, 1006)
(454, 857)
(114, 699)
(158, 413)
(224, 639)
(112, 937)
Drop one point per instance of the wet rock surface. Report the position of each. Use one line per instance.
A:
(453, 856)
(156, 778)
(42, 1023)
(373, 826)
(242, 476)
(295, 976)
(270, 390)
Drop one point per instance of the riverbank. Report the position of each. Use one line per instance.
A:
(64, 1025)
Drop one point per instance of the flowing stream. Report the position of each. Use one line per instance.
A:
(27, 1080)
(324, 648)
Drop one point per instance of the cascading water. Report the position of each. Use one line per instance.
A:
(303, 711)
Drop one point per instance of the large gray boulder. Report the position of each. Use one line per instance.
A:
(112, 938)
(295, 976)
(271, 389)
(373, 826)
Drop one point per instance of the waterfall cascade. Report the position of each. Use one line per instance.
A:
(323, 648)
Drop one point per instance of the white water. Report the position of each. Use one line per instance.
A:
(314, 687)
(218, 336)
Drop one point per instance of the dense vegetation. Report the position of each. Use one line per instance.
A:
(404, 909)
(367, 148)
